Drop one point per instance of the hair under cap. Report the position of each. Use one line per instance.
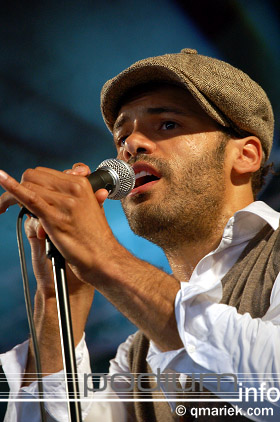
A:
(227, 94)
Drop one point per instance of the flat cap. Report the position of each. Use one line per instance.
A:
(227, 94)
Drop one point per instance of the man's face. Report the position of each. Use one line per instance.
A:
(177, 153)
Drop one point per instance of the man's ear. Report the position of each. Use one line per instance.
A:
(248, 155)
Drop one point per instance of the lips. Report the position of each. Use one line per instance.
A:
(146, 176)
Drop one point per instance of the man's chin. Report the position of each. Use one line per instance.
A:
(144, 216)
(138, 198)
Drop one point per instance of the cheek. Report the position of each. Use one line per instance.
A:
(186, 148)
(195, 145)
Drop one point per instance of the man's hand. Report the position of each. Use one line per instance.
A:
(6, 200)
(41, 264)
(45, 313)
(70, 213)
(67, 210)
(36, 236)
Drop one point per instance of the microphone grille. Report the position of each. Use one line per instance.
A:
(124, 175)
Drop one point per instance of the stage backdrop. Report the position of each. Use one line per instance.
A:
(55, 57)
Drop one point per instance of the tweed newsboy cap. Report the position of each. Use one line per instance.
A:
(227, 94)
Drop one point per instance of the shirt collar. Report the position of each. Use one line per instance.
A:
(246, 223)
(263, 212)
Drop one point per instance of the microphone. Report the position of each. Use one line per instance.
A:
(116, 176)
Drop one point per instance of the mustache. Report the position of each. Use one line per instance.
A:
(161, 165)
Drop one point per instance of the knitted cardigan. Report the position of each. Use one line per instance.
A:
(247, 286)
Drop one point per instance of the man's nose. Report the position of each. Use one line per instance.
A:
(137, 143)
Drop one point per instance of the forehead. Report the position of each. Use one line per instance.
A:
(166, 97)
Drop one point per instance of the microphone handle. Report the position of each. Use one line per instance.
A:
(101, 179)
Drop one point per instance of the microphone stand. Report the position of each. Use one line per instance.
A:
(66, 332)
(118, 178)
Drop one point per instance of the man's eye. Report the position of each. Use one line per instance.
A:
(169, 125)
(121, 141)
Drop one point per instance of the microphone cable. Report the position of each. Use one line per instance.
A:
(29, 311)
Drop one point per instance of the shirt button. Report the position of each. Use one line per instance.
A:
(190, 349)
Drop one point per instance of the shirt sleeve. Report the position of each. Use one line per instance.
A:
(218, 340)
(97, 406)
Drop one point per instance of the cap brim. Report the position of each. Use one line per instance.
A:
(115, 90)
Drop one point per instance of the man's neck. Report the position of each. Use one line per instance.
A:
(185, 256)
(184, 259)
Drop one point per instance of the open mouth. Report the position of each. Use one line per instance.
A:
(145, 177)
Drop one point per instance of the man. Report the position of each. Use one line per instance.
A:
(197, 132)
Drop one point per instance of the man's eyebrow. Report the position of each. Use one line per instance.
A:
(160, 110)
(120, 122)
(152, 110)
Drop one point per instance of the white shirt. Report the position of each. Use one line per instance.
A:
(216, 340)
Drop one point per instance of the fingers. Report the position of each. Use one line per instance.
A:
(6, 200)
(41, 188)
(22, 194)
(34, 229)
(52, 179)
(79, 169)
(101, 195)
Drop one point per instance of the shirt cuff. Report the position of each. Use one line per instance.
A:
(14, 363)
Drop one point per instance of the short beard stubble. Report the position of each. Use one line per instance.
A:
(192, 206)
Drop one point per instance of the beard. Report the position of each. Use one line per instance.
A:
(189, 206)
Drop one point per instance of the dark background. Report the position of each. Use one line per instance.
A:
(55, 57)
